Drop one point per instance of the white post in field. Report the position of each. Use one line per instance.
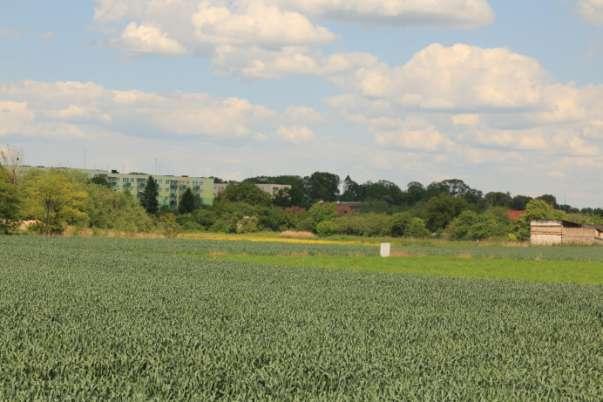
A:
(385, 249)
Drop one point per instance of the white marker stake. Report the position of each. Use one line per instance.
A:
(385, 249)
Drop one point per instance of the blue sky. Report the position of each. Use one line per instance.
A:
(507, 95)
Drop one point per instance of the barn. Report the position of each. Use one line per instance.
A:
(547, 233)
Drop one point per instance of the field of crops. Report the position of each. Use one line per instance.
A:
(114, 319)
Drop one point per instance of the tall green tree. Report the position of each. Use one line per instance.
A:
(188, 202)
(9, 202)
(498, 199)
(149, 196)
(383, 190)
(55, 199)
(295, 196)
(415, 192)
(323, 186)
(549, 199)
(101, 180)
(440, 210)
(246, 192)
(352, 191)
(520, 202)
(108, 209)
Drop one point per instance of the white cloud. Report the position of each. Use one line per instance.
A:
(110, 10)
(417, 139)
(591, 10)
(149, 39)
(268, 38)
(460, 101)
(76, 108)
(296, 135)
(303, 114)
(14, 116)
(464, 13)
(255, 23)
(465, 119)
(454, 77)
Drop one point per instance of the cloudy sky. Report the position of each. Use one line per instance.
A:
(505, 94)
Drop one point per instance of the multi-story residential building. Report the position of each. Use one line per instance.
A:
(272, 189)
(171, 188)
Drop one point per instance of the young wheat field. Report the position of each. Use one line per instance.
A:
(116, 319)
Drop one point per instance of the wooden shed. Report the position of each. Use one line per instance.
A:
(549, 233)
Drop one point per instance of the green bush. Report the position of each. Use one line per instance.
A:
(167, 224)
(356, 224)
(470, 225)
(9, 203)
(108, 209)
(248, 224)
(417, 229)
(400, 223)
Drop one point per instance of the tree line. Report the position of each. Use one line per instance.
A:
(53, 199)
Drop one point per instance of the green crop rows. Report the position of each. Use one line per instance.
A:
(95, 319)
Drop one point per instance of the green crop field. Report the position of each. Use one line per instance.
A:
(116, 319)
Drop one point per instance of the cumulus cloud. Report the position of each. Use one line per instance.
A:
(449, 77)
(416, 137)
(303, 115)
(149, 39)
(79, 109)
(296, 135)
(14, 116)
(591, 10)
(464, 13)
(267, 38)
(255, 23)
(465, 119)
(460, 100)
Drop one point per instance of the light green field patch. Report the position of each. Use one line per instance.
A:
(545, 271)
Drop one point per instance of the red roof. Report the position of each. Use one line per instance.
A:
(515, 215)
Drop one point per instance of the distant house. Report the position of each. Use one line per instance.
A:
(515, 214)
(548, 233)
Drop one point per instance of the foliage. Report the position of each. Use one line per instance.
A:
(9, 202)
(415, 192)
(549, 199)
(384, 191)
(520, 202)
(416, 228)
(248, 224)
(352, 191)
(321, 211)
(356, 224)
(55, 199)
(189, 202)
(536, 210)
(400, 224)
(103, 319)
(167, 224)
(440, 210)
(323, 186)
(148, 199)
(470, 225)
(498, 199)
(101, 180)
(108, 209)
(246, 192)
(296, 196)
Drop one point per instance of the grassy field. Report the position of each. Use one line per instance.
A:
(117, 319)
